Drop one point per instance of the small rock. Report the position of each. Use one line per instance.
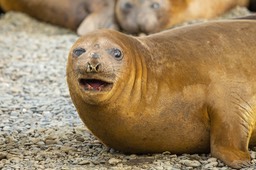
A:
(40, 143)
(15, 159)
(65, 167)
(14, 113)
(66, 149)
(2, 141)
(95, 162)
(166, 153)
(211, 165)
(173, 168)
(28, 144)
(133, 156)
(6, 128)
(39, 158)
(102, 161)
(50, 142)
(80, 138)
(253, 155)
(47, 114)
(114, 161)
(191, 163)
(84, 162)
(212, 160)
(111, 150)
(1, 165)
(159, 168)
(35, 140)
(3, 155)
(173, 156)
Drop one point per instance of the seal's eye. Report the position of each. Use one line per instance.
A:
(78, 51)
(127, 6)
(155, 5)
(116, 53)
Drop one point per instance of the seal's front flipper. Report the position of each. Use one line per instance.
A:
(232, 122)
(231, 155)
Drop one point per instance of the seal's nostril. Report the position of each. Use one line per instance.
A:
(93, 68)
(89, 67)
(97, 68)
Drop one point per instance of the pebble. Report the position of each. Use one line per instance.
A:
(50, 142)
(212, 160)
(84, 162)
(253, 155)
(191, 163)
(66, 149)
(6, 128)
(14, 113)
(1, 165)
(211, 165)
(3, 155)
(39, 126)
(40, 143)
(114, 161)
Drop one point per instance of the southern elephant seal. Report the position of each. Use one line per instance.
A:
(70, 14)
(185, 90)
(150, 16)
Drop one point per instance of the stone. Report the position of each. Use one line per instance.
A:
(211, 165)
(191, 163)
(3, 155)
(114, 161)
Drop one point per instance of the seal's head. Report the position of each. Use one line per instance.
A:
(143, 16)
(96, 66)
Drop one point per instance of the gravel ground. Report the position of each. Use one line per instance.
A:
(39, 127)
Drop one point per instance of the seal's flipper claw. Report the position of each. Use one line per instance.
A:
(231, 157)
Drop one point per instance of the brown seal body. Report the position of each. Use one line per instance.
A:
(150, 16)
(186, 90)
(67, 13)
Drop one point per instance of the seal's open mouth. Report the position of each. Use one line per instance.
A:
(95, 85)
